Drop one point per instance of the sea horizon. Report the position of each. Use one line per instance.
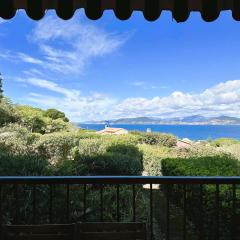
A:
(191, 131)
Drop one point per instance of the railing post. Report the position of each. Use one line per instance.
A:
(101, 203)
(1, 212)
(84, 202)
(167, 212)
(217, 212)
(151, 212)
(233, 226)
(118, 209)
(184, 211)
(67, 203)
(201, 225)
(18, 185)
(50, 203)
(16, 218)
(134, 202)
(34, 204)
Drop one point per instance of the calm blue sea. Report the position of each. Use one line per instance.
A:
(192, 132)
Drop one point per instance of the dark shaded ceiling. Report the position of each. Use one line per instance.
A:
(35, 9)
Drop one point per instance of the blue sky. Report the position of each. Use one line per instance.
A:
(96, 70)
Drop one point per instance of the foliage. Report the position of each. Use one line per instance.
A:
(21, 132)
(233, 149)
(38, 142)
(16, 140)
(152, 158)
(35, 119)
(56, 114)
(23, 165)
(32, 118)
(8, 113)
(57, 146)
(1, 88)
(40, 121)
(218, 165)
(57, 125)
(110, 158)
(127, 139)
(161, 139)
(224, 142)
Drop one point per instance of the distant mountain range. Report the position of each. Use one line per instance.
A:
(190, 120)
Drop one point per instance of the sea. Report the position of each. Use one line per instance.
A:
(193, 132)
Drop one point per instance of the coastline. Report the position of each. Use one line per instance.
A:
(191, 131)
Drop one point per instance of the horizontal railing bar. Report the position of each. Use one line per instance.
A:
(117, 180)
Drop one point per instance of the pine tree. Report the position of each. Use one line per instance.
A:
(1, 87)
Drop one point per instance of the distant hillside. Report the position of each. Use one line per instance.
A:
(138, 120)
(225, 120)
(189, 120)
(195, 118)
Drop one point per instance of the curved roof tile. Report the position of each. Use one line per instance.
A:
(35, 9)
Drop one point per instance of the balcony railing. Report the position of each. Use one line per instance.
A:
(172, 207)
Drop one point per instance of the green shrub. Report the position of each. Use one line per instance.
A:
(23, 165)
(152, 158)
(162, 139)
(59, 146)
(55, 114)
(136, 133)
(124, 139)
(224, 142)
(56, 146)
(40, 121)
(233, 149)
(8, 113)
(16, 140)
(18, 155)
(218, 165)
(95, 157)
(57, 125)
(90, 147)
(21, 132)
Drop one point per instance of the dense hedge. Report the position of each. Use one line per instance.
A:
(161, 139)
(23, 165)
(8, 112)
(218, 165)
(152, 158)
(57, 146)
(95, 157)
(224, 142)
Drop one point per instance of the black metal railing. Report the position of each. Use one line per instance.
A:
(173, 207)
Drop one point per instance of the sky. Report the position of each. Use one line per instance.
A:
(109, 69)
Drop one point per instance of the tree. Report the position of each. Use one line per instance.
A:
(56, 114)
(32, 118)
(1, 88)
(8, 112)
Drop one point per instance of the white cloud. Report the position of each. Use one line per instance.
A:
(68, 46)
(2, 21)
(76, 106)
(138, 83)
(28, 59)
(145, 85)
(33, 72)
(42, 83)
(20, 57)
(222, 99)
